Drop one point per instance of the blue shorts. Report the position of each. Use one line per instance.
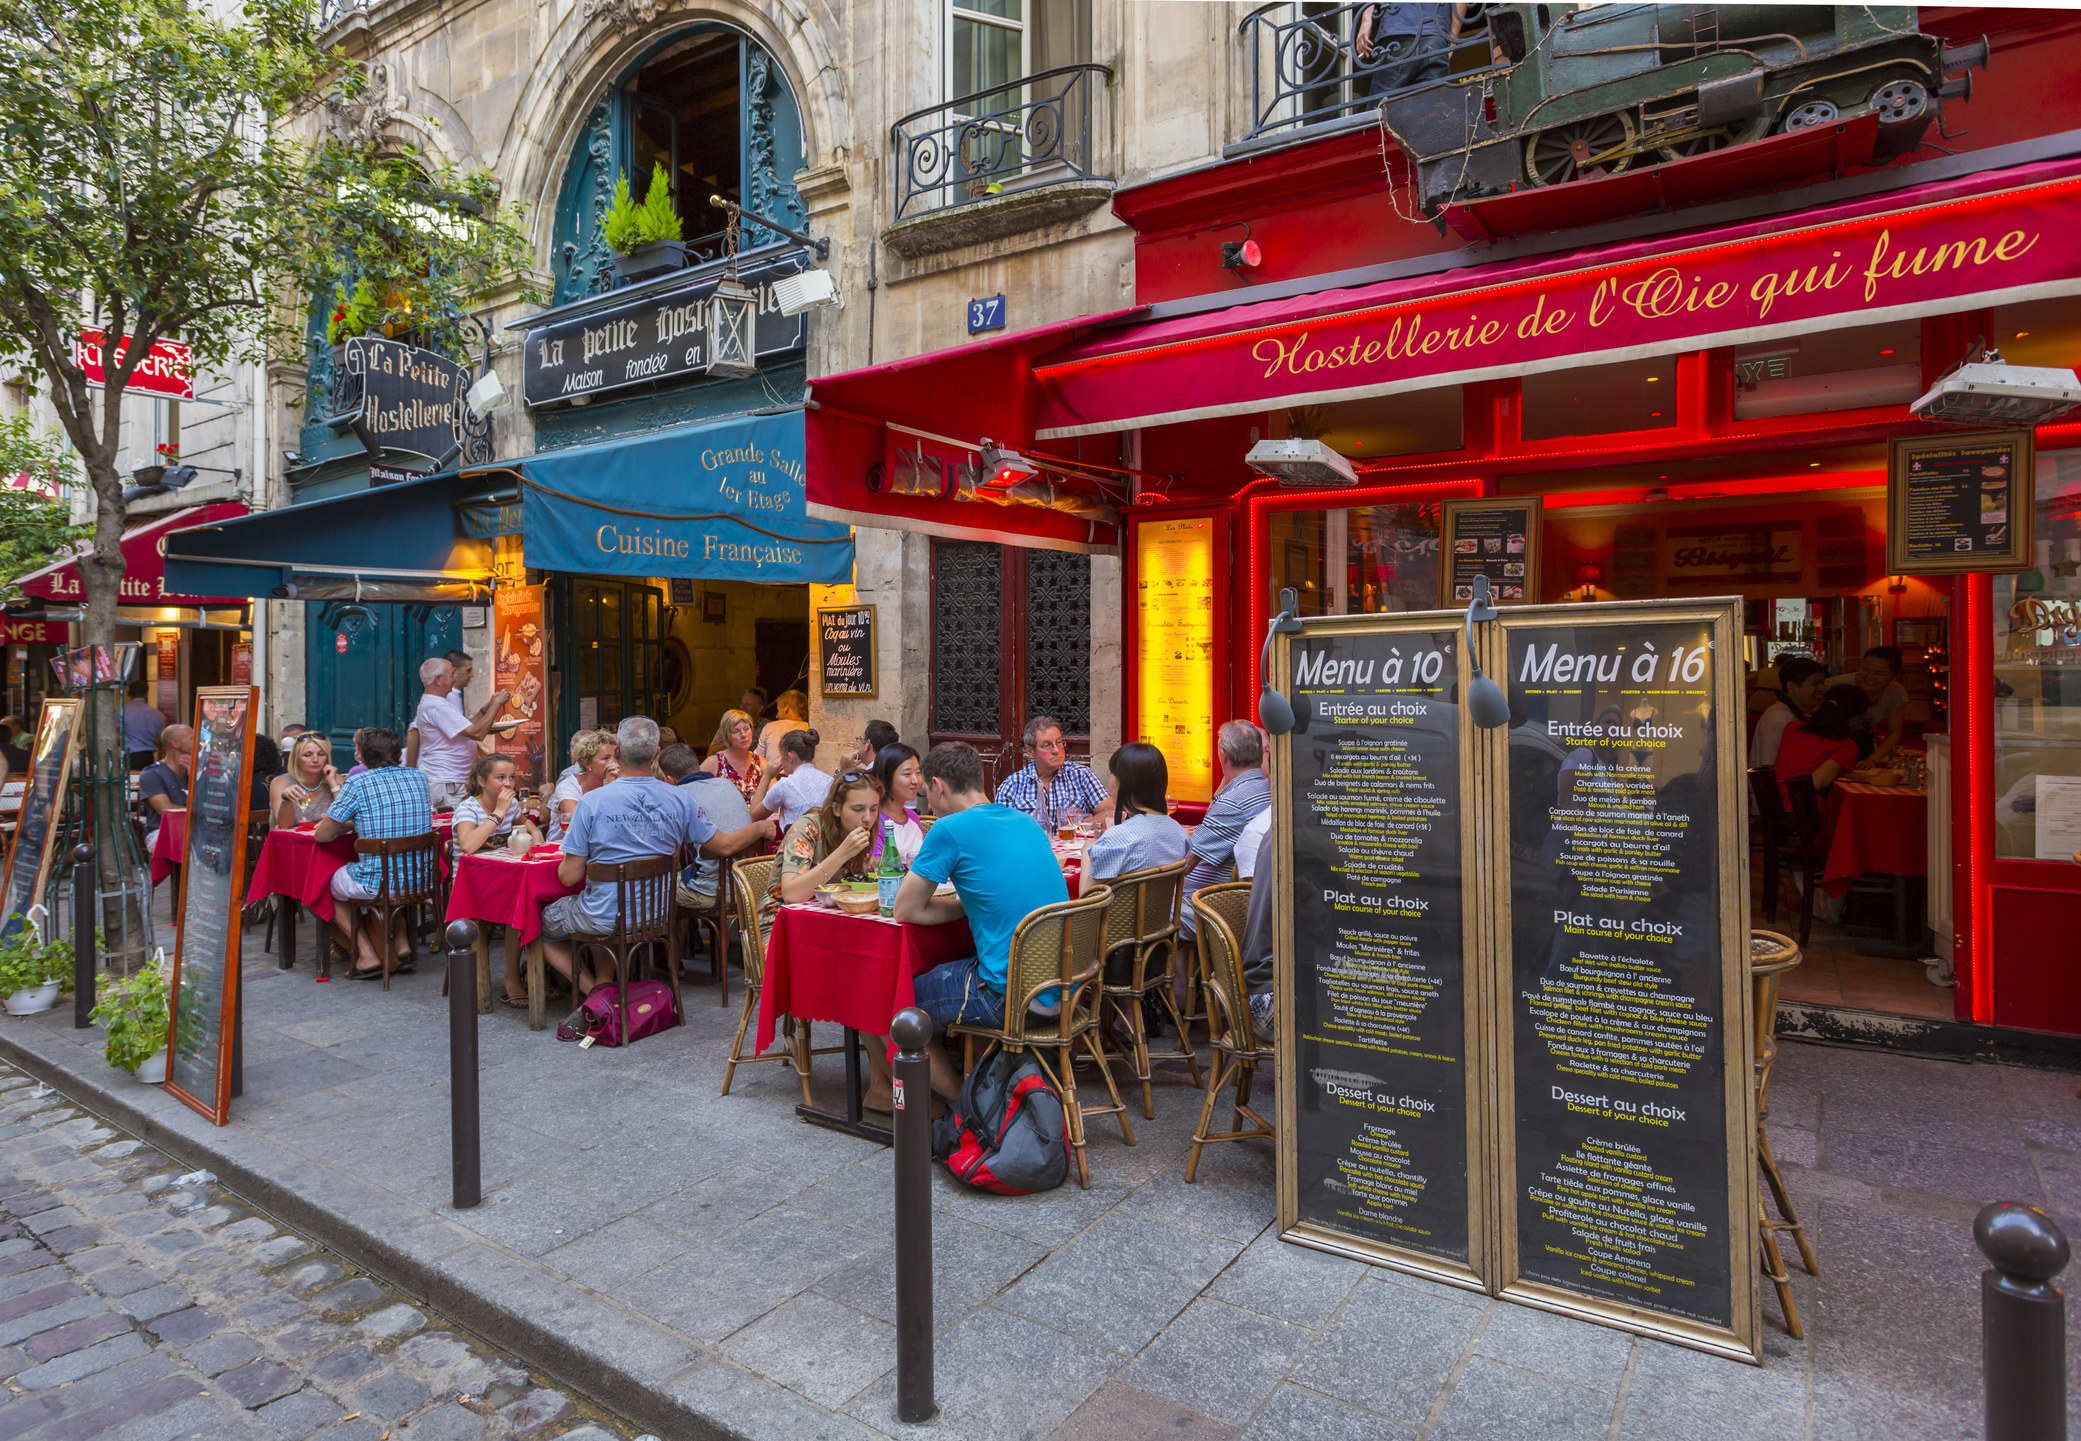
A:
(956, 993)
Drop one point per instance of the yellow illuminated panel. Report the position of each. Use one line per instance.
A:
(1174, 578)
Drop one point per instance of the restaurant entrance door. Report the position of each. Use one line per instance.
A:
(1011, 639)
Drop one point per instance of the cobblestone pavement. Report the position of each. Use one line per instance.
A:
(140, 1301)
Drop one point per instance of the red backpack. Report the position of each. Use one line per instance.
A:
(1009, 1133)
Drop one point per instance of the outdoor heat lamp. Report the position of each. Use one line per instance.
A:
(810, 289)
(1486, 705)
(1987, 391)
(1274, 711)
(1307, 464)
(1002, 468)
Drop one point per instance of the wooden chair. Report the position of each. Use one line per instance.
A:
(750, 879)
(409, 877)
(646, 914)
(1803, 848)
(716, 917)
(1057, 946)
(1770, 956)
(1141, 937)
(1238, 1049)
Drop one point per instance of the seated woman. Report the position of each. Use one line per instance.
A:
(488, 813)
(1823, 745)
(1139, 831)
(896, 767)
(794, 787)
(300, 795)
(595, 760)
(730, 755)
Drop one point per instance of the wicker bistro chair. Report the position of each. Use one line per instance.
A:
(646, 914)
(1770, 956)
(1057, 946)
(750, 879)
(410, 878)
(1141, 939)
(1238, 1049)
(716, 917)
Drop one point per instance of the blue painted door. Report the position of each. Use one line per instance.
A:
(361, 665)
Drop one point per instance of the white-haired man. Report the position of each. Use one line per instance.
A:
(1244, 794)
(448, 738)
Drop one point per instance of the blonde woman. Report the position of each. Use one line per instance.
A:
(793, 710)
(595, 760)
(307, 784)
(731, 755)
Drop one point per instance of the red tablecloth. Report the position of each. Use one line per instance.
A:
(171, 849)
(506, 892)
(294, 864)
(823, 965)
(1874, 828)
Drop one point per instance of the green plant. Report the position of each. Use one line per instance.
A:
(628, 225)
(27, 961)
(133, 1011)
(353, 313)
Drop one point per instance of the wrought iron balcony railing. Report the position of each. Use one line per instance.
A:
(1305, 68)
(1035, 129)
(332, 12)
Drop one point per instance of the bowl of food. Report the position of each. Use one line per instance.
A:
(828, 895)
(859, 903)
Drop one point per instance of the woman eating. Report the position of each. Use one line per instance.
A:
(896, 767)
(595, 760)
(732, 757)
(487, 814)
(302, 792)
(1824, 745)
(795, 787)
(1140, 833)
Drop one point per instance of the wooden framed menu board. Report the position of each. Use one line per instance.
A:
(29, 858)
(845, 641)
(204, 990)
(1497, 536)
(1960, 502)
(1514, 999)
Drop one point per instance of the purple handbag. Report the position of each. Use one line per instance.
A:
(651, 1005)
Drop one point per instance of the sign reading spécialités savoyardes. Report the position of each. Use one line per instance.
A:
(1379, 1077)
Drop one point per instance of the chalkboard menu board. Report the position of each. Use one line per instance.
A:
(1374, 1090)
(1497, 537)
(30, 857)
(1624, 985)
(845, 641)
(1960, 502)
(206, 936)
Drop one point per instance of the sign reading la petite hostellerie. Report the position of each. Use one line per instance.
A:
(168, 368)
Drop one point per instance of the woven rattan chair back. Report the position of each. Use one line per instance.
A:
(749, 882)
(1221, 912)
(1056, 946)
(1144, 914)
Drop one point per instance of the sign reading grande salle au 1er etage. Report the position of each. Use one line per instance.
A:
(654, 339)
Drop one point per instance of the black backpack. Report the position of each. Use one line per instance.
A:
(1008, 1134)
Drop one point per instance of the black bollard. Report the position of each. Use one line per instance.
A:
(911, 1029)
(468, 1162)
(83, 959)
(2023, 1323)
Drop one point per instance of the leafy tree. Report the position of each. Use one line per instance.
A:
(34, 528)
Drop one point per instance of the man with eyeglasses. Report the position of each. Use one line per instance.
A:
(1050, 785)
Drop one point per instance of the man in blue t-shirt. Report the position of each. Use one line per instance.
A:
(1002, 866)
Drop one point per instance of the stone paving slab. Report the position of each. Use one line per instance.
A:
(708, 1265)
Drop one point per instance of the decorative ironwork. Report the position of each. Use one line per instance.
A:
(967, 592)
(585, 262)
(1058, 637)
(1029, 131)
(769, 185)
(1304, 69)
(332, 12)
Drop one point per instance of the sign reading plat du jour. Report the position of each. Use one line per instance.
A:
(1513, 1000)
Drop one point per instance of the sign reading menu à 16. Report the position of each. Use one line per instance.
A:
(168, 368)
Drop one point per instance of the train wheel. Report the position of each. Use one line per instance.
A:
(1708, 141)
(1813, 112)
(1582, 149)
(1899, 100)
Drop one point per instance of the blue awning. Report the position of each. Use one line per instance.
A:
(713, 502)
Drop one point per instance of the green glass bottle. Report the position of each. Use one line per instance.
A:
(889, 874)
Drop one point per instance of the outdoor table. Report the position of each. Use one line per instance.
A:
(825, 965)
(295, 866)
(497, 888)
(171, 848)
(1884, 830)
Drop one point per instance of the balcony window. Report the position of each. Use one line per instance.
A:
(988, 50)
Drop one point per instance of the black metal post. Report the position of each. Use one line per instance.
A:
(83, 958)
(468, 1162)
(911, 1029)
(2023, 1322)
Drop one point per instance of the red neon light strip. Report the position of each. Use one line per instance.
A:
(1710, 490)
(1972, 793)
(1662, 259)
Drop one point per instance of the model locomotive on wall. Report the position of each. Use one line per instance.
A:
(1575, 93)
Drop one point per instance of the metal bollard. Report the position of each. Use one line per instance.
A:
(911, 1029)
(83, 958)
(2023, 1322)
(465, 1139)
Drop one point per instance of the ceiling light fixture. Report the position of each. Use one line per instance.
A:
(1300, 463)
(1001, 467)
(1984, 389)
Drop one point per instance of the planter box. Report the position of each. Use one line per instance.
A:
(660, 257)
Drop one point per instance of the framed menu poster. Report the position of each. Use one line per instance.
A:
(845, 650)
(1960, 502)
(1496, 536)
(36, 832)
(204, 990)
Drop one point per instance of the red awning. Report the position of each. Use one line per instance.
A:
(1985, 239)
(942, 403)
(144, 563)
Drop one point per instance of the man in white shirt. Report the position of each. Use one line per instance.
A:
(448, 738)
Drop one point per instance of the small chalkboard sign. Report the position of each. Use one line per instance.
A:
(204, 999)
(845, 643)
(1960, 502)
(1497, 537)
(36, 825)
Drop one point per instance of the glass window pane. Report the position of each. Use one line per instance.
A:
(1004, 9)
(610, 611)
(1851, 369)
(2037, 678)
(1388, 553)
(1058, 638)
(611, 711)
(589, 666)
(1600, 399)
(986, 56)
(586, 601)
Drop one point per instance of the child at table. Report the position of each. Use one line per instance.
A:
(829, 844)
(487, 814)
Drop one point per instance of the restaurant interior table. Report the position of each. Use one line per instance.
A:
(493, 887)
(295, 866)
(171, 848)
(1879, 830)
(825, 965)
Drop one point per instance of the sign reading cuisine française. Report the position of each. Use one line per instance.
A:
(656, 338)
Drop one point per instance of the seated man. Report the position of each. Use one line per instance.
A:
(631, 818)
(1050, 785)
(724, 806)
(1244, 793)
(1003, 868)
(163, 785)
(384, 802)
(1256, 940)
